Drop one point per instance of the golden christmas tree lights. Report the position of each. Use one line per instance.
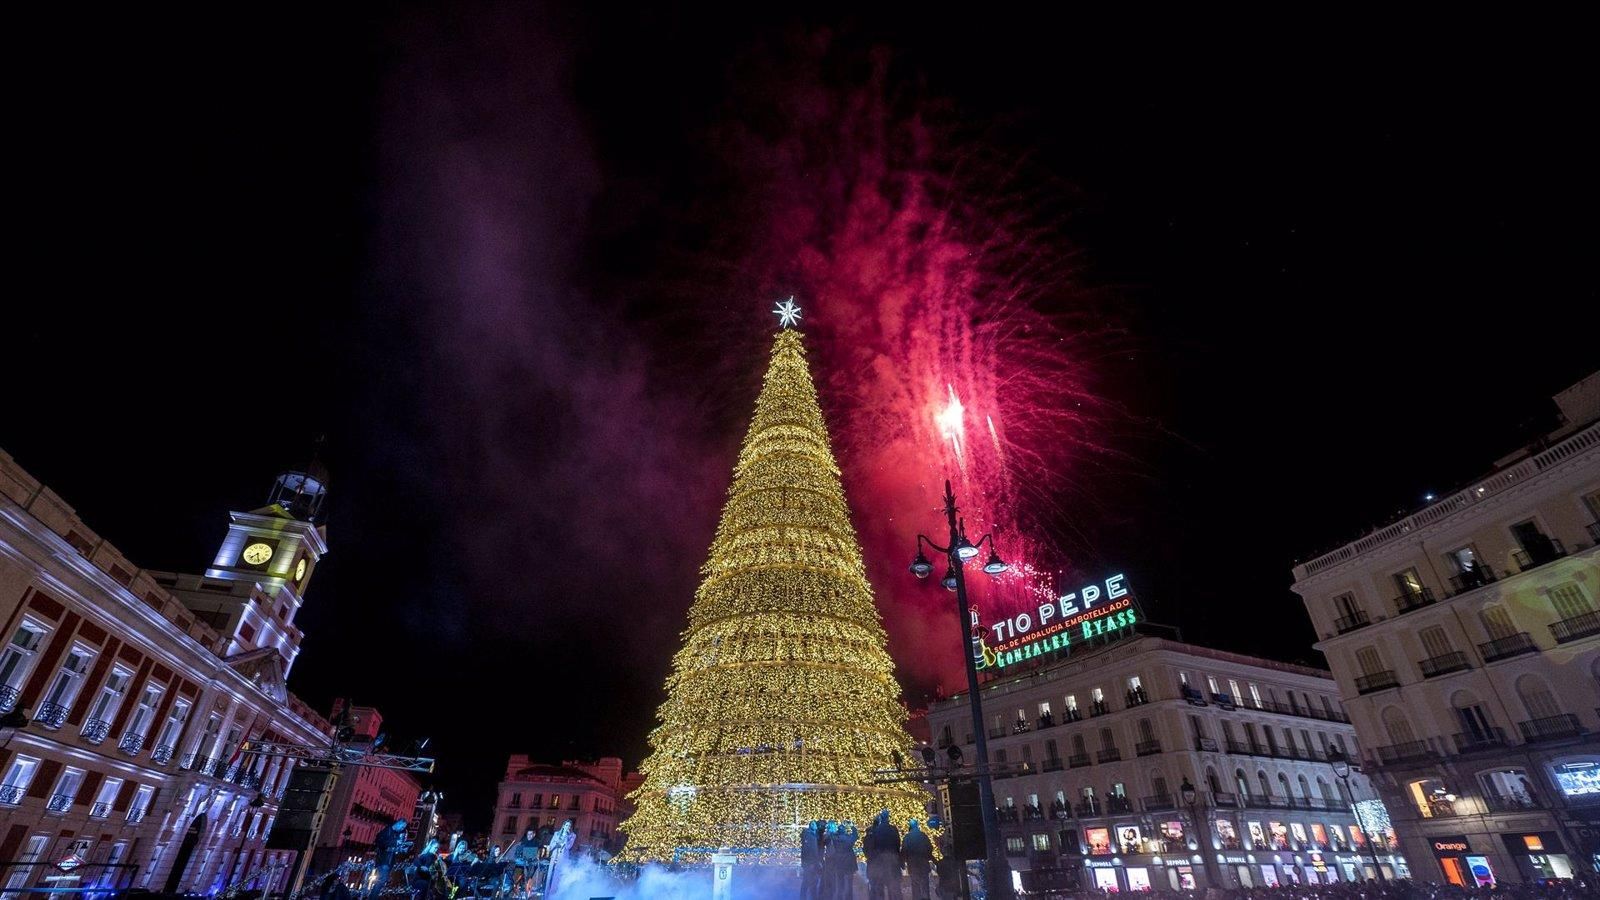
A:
(782, 703)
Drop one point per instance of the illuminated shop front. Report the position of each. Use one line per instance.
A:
(1539, 855)
(1135, 856)
(1461, 866)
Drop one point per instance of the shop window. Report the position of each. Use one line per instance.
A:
(1579, 781)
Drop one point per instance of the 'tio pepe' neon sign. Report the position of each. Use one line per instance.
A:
(1084, 614)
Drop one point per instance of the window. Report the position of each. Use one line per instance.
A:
(1409, 583)
(1233, 690)
(1041, 841)
(64, 689)
(1463, 558)
(1108, 741)
(15, 661)
(1345, 605)
(141, 802)
(143, 714)
(1435, 642)
(21, 875)
(1211, 682)
(104, 799)
(1097, 695)
(1368, 661)
(105, 705)
(1147, 732)
(1568, 601)
(1536, 697)
(19, 774)
(1496, 622)
(66, 790)
(511, 825)
(172, 728)
(1255, 695)
(1016, 845)
(1072, 703)
(1397, 726)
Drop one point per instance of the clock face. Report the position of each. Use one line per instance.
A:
(257, 554)
(300, 569)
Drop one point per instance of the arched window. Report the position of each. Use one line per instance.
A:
(1266, 786)
(1242, 784)
(1305, 787)
(1536, 697)
(1397, 726)
(1477, 728)
(1283, 786)
(1147, 732)
(1158, 785)
(1211, 780)
(1325, 790)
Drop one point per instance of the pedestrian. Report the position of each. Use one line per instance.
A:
(917, 851)
(811, 862)
(882, 847)
(951, 871)
(842, 861)
(389, 843)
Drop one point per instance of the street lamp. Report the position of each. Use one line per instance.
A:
(1341, 768)
(1202, 836)
(957, 551)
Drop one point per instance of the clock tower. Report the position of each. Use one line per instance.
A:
(257, 581)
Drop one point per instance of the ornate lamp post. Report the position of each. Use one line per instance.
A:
(957, 552)
(1202, 832)
(1341, 768)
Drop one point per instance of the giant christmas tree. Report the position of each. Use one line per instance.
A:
(782, 703)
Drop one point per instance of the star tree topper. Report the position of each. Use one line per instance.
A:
(788, 314)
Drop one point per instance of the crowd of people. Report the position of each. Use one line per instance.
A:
(1400, 890)
(896, 866)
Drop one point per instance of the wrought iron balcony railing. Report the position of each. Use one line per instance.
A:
(1576, 628)
(1488, 739)
(51, 715)
(1110, 754)
(161, 755)
(1550, 728)
(1515, 803)
(132, 742)
(1357, 619)
(95, 730)
(1053, 764)
(1147, 748)
(135, 816)
(1224, 799)
(1406, 752)
(100, 811)
(1116, 804)
(1158, 802)
(1377, 681)
(1538, 552)
(1507, 647)
(8, 698)
(1444, 663)
(1099, 708)
(1413, 600)
(1472, 579)
(11, 794)
(59, 803)
(1077, 760)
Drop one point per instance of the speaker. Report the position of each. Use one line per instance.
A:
(966, 821)
(305, 798)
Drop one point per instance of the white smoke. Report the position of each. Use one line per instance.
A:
(580, 879)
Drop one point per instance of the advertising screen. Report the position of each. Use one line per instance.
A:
(1099, 841)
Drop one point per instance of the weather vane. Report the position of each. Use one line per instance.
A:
(788, 314)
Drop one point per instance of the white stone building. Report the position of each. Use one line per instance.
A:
(128, 693)
(1466, 641)
(1103, 741)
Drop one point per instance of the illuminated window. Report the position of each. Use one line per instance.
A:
(1255, 695)
(16, 658)
(1041, 842)
(1533, 843)
(1568, 601)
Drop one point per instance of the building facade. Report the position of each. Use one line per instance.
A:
(1094, 752)
(539, 797)
(1466, 641)
(365, 800)
(130, 692)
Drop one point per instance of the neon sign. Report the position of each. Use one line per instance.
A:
(1084, 614)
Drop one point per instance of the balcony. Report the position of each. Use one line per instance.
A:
(1147, 748)
(1347, 624)
(1444, 664)
(1099, 708)
(1472, 579)
(8, 698)
(1550, 728)
(1407, 752)
(1223, 800)
(1138, 697)
(1471, 742)
(1576, 628)
(996, 731)
(1110, 754)
(1240, 748)
(1053, 764)
(206, 765)
(1413, 600)
(1225, 701)
(95, 730)
(1507, 647)
(161, 755)
(100, 811)
(250, 780)
(1192, 696)
(1118, 804)
(51, 715)
(1377, 681)
(1205, 744)
(59, 803)
(1158, 803)
(135, 816)
(1538, 551)
(132, 742)
(11, 794)
(1077, 760)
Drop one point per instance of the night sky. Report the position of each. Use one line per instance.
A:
(516, 264)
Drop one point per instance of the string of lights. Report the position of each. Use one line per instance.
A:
(782, 703)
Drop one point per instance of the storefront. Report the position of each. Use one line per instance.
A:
(1539, 855)
(1460, 865)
